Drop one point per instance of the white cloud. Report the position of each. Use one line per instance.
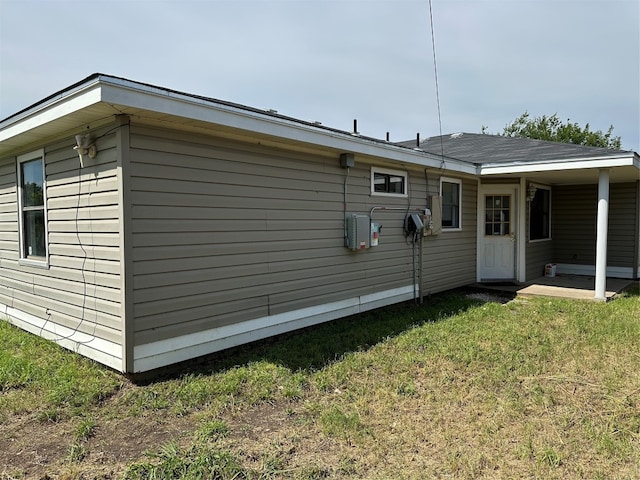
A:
(335, 60)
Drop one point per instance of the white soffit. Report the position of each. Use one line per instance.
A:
(50, 112)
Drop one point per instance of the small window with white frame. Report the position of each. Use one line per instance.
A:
(451, 193)
(32, 203)
(387, 182)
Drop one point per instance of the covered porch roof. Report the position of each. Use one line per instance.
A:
(540, 161)
(529, 161)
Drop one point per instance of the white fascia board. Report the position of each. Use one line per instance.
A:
(51, 111)
(128, 94)
(552, 166)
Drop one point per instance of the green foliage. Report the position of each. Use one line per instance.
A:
(336, 422)
(554, 130)
(212, 430)
(77, 452)
(37, 374)
(197, 462)
(85, 429)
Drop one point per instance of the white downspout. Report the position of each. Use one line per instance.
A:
(601, 235)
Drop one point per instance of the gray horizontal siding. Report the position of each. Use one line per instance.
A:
(622, 225)
(80, 290)
(574, 224)
(538, 255)
(224, 232)
(449, 259)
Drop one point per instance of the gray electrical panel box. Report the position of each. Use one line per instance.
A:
(358, 231)
(433, 217)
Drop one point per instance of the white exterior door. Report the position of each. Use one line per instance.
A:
(497, 252)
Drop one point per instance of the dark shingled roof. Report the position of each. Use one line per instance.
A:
(481, 148)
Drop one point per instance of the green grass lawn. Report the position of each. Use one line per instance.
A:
(454, 388)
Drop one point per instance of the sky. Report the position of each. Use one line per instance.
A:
(334, 61)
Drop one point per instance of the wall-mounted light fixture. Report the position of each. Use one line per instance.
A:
(531, 192)
(85, 146)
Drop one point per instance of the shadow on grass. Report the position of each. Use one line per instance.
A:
(632, 290)
(317, 346)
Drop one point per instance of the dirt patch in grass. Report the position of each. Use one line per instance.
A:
(31, 448)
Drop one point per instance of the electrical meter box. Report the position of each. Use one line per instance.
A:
(432, 217)
(358, 231)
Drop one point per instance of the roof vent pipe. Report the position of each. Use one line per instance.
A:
(418, 139)
(355, 127)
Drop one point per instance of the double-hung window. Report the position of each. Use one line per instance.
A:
(32, 207)
(451, 193)
(540, 215)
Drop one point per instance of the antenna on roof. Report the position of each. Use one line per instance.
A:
(435, 70)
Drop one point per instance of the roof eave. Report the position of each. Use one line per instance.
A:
(620, 160)
(122, 94)
(149, 98)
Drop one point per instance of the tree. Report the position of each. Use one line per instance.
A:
(554, 130)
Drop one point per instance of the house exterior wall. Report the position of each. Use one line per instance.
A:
(75, 301)
(637, 229)
(450, 258)
(574, 226)
(538, 255)
(233, 242)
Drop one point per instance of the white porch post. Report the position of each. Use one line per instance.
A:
(521, 233)
(601, 235)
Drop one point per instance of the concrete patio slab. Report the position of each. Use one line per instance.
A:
(565, 286)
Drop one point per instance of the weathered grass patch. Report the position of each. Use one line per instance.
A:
(454, 388)
(37, 375)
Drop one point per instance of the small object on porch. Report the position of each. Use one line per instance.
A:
(550, 270)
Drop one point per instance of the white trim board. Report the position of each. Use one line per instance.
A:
(590, 270)
(622, 160)
(129, 94)
(176, 349)
(98, 349)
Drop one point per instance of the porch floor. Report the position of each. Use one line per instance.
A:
(566, 286)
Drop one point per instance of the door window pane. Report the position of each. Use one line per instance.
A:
(497, 215)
